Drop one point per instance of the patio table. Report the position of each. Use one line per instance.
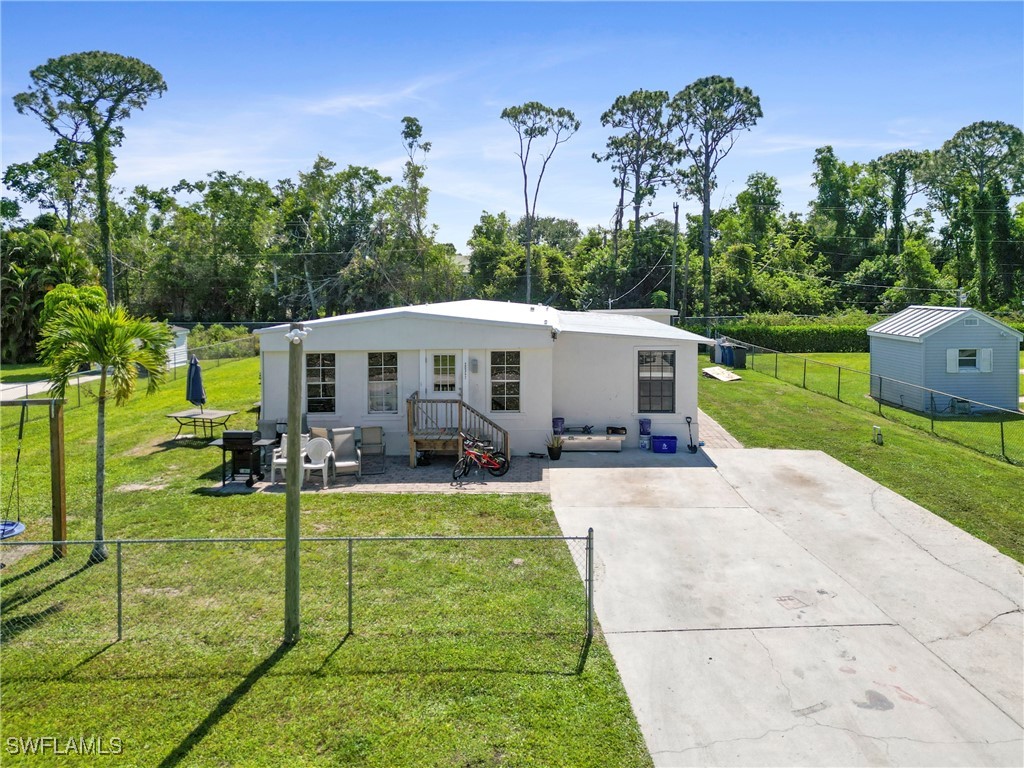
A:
(201, 423)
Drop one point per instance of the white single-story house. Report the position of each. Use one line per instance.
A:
(469, 364)
(958, 351)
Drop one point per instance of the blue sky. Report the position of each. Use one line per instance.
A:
(262, 88)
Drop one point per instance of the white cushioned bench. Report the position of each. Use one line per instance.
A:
(592, 442)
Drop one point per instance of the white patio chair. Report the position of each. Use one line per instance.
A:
(319, 458)
(280, 458)
(348, 459)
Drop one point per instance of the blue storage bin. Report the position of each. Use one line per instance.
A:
(664, 443)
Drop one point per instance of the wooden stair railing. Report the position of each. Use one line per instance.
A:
(439, 425)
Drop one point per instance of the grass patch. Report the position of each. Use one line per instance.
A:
(846, 376)
(461, 654)
(12, 373)
(980, 494)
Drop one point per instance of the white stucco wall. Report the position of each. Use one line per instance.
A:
(595, 382)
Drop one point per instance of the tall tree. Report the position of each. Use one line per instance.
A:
(759, 206)
(532, 122)
(121, 345)
(899, 168)
(710, 113)
(644, 157)
(82, 98)
(56, 180)
(983, 152)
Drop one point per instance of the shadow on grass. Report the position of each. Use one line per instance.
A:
(20, 598)
(34, 569)
(11, 628)
(181, 752)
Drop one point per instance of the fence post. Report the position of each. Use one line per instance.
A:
(120, 591)
(1002, 438)
(931, 415)
(880, 395)
(839, 384)
(350, 586)
(590, 602)
(805, 373)
(776, 365)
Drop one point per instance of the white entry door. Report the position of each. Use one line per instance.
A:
(443, 374)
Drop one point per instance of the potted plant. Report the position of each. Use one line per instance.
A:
(554, 444)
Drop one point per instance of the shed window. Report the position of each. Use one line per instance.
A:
(382, 381)
(656, 378)
(967, 360)
(505, 381)
(320, 382)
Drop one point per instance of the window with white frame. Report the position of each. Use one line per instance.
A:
(505, 381)
(382, 382)
(444, 373)
(969, 360)
(656, 381)
(320, 382)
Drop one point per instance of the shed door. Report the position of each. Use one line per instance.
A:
(444, 375)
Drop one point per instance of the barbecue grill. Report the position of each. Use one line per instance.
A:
(246, 451)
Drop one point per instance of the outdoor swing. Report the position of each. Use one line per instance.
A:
(12, 525)
(11, 528)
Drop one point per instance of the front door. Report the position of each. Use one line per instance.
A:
(443, 375)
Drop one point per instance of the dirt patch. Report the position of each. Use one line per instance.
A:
(142, 487)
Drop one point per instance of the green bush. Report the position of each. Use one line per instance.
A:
(213, 342)
(799, 338)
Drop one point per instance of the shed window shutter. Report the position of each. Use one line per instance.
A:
(952, 361)
(985, 363)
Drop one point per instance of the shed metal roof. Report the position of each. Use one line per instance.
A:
(917, 322)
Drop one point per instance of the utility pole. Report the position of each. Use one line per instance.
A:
(293, 484)
(675, 250)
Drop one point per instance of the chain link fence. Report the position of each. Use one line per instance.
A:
(230, 592)
(83, 386)
(976, 425)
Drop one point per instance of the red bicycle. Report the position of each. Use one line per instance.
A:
(477, 453)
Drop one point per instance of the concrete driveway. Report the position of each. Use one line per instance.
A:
(777, 608)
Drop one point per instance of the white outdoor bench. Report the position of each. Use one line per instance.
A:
(592, 442)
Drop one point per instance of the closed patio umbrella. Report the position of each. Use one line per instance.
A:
(195, 393)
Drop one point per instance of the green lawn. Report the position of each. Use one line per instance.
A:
(12, 373)
(461, 655)
(845, 376)
(976, 492)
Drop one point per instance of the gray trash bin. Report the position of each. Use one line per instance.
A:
(739, 355)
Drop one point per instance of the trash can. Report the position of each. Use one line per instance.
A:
(557, 425)
(739, 356)
(727, 354)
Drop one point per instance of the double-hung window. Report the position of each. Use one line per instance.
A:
(382, 382)
(320, 382)
(505, 380)
(656, 381)
(967, 359)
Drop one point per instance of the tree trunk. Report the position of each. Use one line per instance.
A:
(99, 147)
(529, 245)
(99, 552)
(706, 240)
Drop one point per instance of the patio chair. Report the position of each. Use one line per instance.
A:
(319, 458)
(372, 444)
(348, 459)
(280, 458)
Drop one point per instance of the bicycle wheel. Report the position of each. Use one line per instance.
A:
(461, 468)
(503, 464)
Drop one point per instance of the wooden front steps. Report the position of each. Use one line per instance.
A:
(438, 425)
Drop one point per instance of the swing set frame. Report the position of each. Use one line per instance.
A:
(58, 477)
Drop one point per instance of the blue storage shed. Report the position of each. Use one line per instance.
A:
(955, 350)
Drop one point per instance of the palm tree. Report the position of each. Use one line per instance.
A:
(121, 345)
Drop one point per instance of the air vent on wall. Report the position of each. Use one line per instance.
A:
(971, 321)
